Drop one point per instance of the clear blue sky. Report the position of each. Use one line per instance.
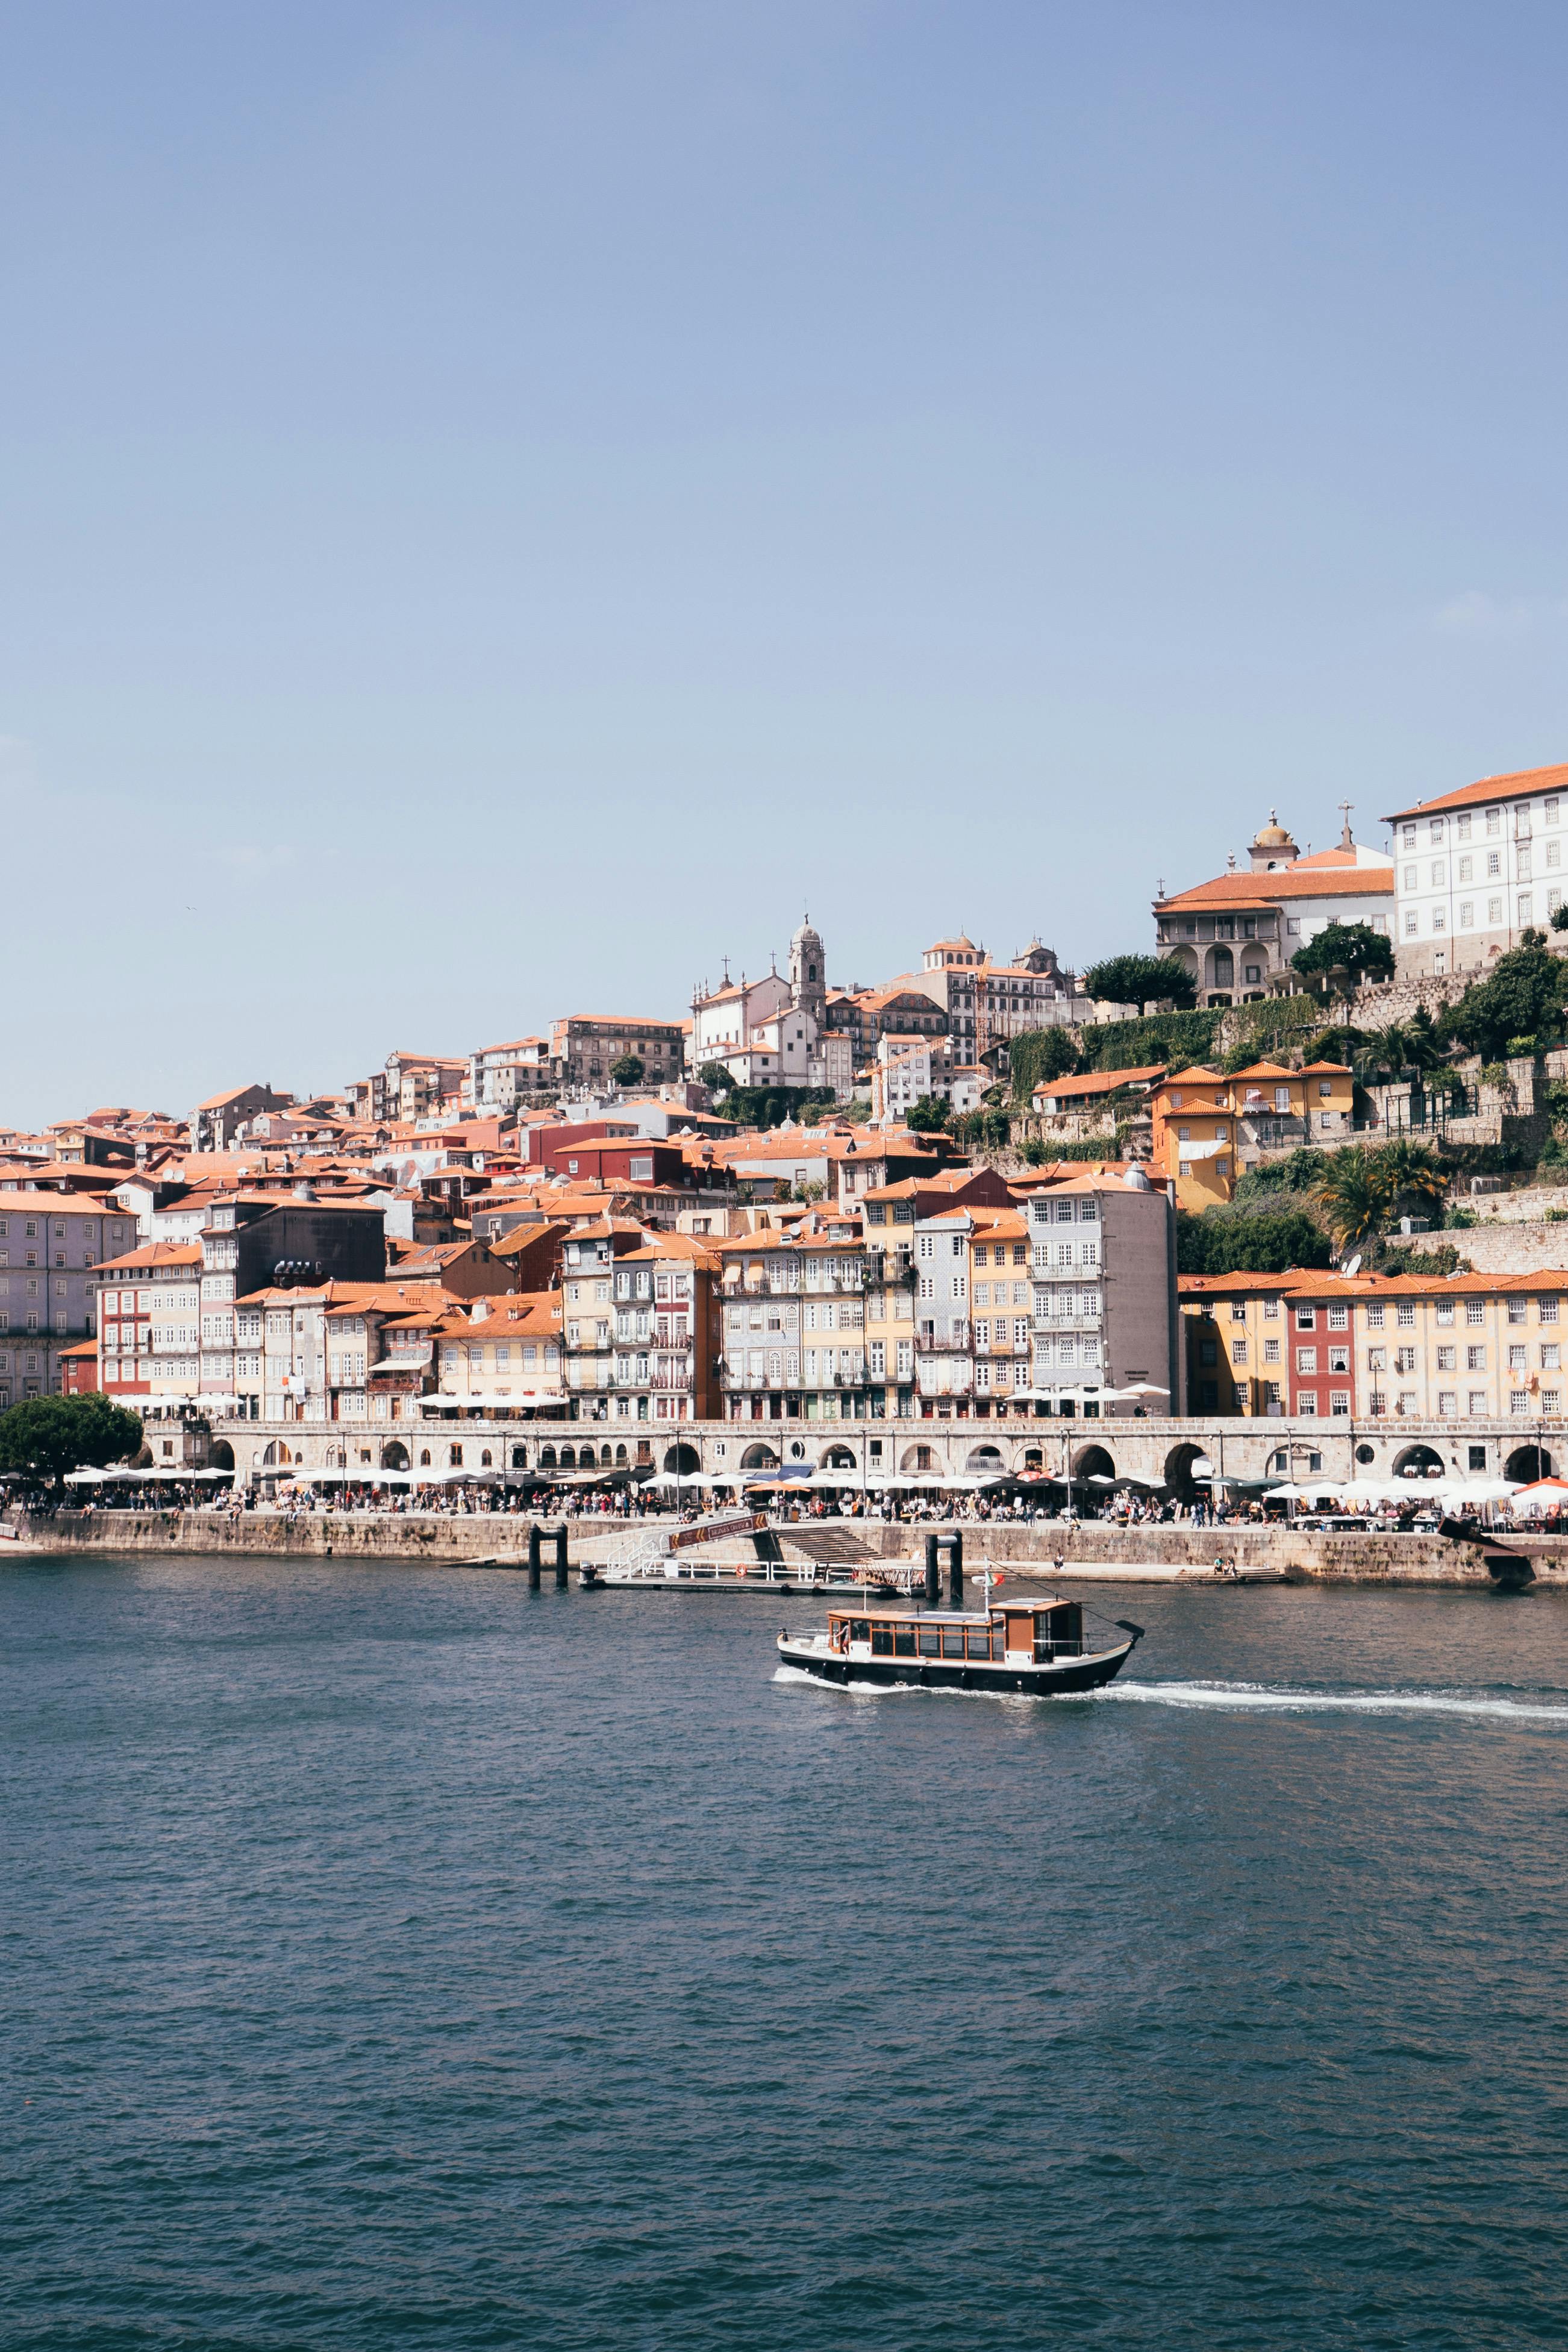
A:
(500, 504)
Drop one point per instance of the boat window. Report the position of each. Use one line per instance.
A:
(952, 1645)
(860, 1628)
(882, 1641)
(980, 1645)
(903, 1641)
(930, 1644)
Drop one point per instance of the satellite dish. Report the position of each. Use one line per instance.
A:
(1352, 1266)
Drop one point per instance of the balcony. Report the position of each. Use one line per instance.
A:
(934, 1344)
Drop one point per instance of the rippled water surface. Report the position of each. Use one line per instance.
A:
(391, 1957)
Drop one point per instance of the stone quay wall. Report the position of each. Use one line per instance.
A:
(1093, 1549)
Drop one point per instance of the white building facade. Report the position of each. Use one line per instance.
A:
(1476, 868)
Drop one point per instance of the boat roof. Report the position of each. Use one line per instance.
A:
(867, 1606)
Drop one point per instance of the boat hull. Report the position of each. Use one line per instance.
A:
(1059, 1678)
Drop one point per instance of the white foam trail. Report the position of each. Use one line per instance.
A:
(1236, 1699)
(1249, 1698)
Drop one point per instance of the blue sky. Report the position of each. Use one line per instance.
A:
(500, 505)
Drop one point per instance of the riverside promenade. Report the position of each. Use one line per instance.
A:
(1089, 1550)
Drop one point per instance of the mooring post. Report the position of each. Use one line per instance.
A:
(534, 1541)
(560, 1557)
(954, 1571)
(932, 1572)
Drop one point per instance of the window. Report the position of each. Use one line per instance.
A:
(1526, 906)
(1405, 1313)
(1307, 1403)
(1467, 914)
(1306, 1318)
(1516, 1310)
(1306, 1360)
(1438, 874)
(1475, 1359)
(1494, 910)
(1271, 1351)
(1546, 1308)
(1410, 924)
(1339, 1318)
(1475, 1310)
(1447, 1358)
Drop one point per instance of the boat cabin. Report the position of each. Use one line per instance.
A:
(1022, 1634)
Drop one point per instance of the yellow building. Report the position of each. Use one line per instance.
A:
(1210, 1126)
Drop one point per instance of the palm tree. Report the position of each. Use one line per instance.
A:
(1409, 1171)
(1354, 1191)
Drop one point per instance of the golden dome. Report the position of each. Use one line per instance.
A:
(1272, 835)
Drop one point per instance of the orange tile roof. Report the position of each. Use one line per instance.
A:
(1100, 1082)
(155, 1253)
(1520, 784)
(1256, 893)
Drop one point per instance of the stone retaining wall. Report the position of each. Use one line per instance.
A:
(1349, 1557)
(1499, 1248)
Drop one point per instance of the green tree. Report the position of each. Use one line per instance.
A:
(627, 1070)
(43, 1437)
(1141, 980)
(1353, 951)
(1522, 996)
(1409, 1171)
(718, 1079)
(1354, 1194)
(929, 1115)
(1219, 1242)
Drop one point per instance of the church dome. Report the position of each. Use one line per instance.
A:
(1272, 835)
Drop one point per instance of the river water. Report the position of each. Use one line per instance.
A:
(391, 1957)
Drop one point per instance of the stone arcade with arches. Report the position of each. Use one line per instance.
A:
(1174, 1453)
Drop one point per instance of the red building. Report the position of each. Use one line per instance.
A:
(79, 1368)
(1321, 1376)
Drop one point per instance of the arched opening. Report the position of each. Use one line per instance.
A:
(454, 1457)
(986, 1461)
(223, 1456)
(838, 1457)
(486, 1460)
(334, 1458)
(547, 1458)
(1092, 1461)
(424, 1457)
(1180, 1462)
(621, 1453)
(519, 1457)
(569, 1457)
(270, 1455)
(1224, 969)
(1417, 1462)
(604, 1457)
(395, 1457)
(916, 1458)
(1033, 1458)
(685, 1461)
(757, 1457)
(1528, 1462)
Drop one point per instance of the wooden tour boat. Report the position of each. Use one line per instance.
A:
(1041, 1647)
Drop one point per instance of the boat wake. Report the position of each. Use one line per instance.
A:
(1257, 1698)
(1236, 1699)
